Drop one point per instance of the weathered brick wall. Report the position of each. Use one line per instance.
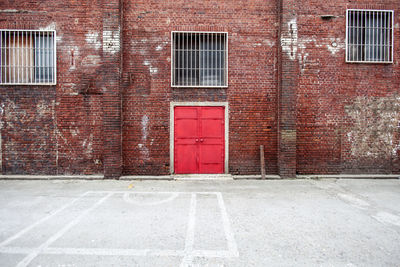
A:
(289, 89)
(348, 114)
(56, 129)
(251, 94)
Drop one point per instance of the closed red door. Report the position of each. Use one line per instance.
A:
(199, 139)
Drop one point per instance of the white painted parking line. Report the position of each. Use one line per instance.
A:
(189, 241)
(138, 203)
(30, 227)
(227, 227)
(156, 192)
(187, 254)
(57, 235)
(120, 252)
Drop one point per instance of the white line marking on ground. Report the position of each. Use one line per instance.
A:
(119, 252)
(189, 241)
(188, 253)
(232, 246)
(386, 217)
(57, 235)
(30, 227)
(153, 192)
(131, 201)
(354, 200)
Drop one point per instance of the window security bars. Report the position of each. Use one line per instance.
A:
(369, 36)
(199, 59)
(27, 57)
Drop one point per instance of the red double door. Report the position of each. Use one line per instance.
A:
(199, 139)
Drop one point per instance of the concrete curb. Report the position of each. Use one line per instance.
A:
(194, 177)
(350, 176)
(51, 177)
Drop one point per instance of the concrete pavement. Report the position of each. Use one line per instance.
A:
(325, 222)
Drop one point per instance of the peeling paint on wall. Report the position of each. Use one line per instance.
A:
(111, 41)
(152, 69)
(144, 151)
(375, 129)
(50, 27)
(335, 45)
(92, 38)
(91, 61)
(289, 40)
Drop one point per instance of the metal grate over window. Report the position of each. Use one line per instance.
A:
(199, 59)
(27, 57)
(369, 36)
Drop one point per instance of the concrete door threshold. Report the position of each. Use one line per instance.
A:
(191, 177)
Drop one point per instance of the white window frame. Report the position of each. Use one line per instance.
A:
(200, 86)
(34, 80)
(347, 57)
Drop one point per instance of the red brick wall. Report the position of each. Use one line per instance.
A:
(289, 89)
(251, 92)
(57, 129)
(348, 114)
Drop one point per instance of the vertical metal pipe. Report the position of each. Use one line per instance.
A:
(1, 57)
(22, 54)
(392, 33)
(186, 64)
(220, 59)
(173, 57)
(25, 46)
(31, 57)
(191, 58)
(374, 42)
(18, 54)
(384, 36)
(369, 35)
(347, 35)
(178, 35)
(195, 59)
(381, 58)
(212, 58)
(357, 33)
(9, 56)
(35, 57)
(208, 59)
(54, 55)
(353, 19)
(14, 57)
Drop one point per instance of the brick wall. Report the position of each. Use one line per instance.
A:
(289, 89)
(348, 114)
(251, 93)
(57, 129)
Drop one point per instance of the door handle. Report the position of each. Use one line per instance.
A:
(201, 140)
(197, 140)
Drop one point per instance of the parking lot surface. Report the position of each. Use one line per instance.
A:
(200, 223)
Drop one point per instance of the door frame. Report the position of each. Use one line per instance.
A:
(172, 130)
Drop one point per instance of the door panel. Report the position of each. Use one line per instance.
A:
(186, 159)
(199, 139)
(212, 128)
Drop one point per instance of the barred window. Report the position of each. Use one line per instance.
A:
(369, 36)
(27, 57)
(199, 59)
